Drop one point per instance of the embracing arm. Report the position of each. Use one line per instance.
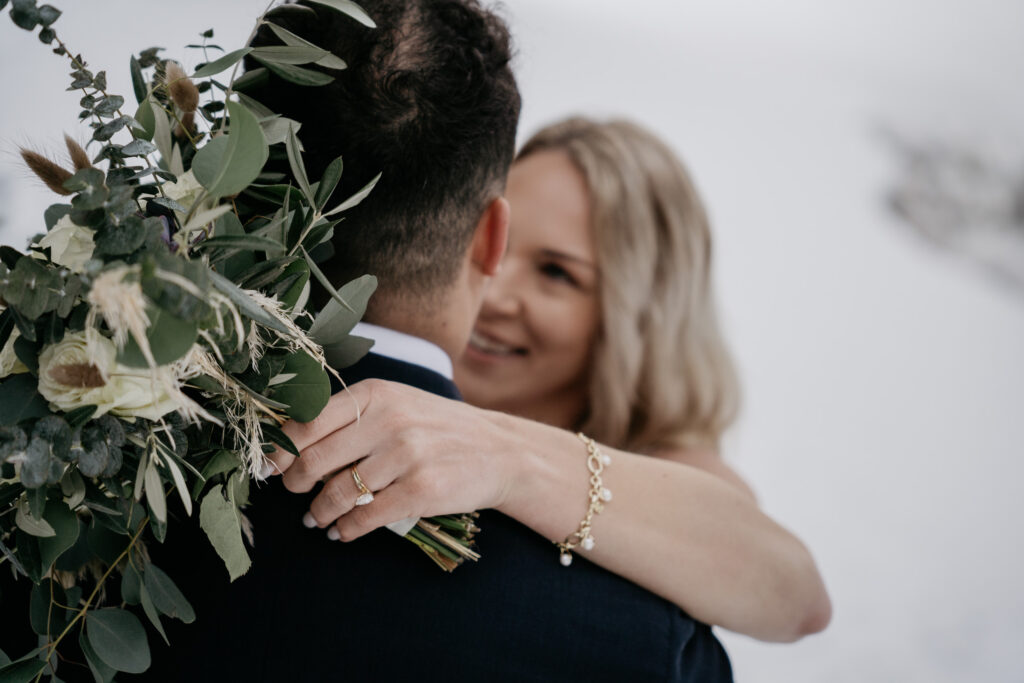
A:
(675, 529)
(672, 528)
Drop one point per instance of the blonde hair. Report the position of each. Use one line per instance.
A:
(662, 375)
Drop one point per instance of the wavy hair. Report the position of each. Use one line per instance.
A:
(662, 375)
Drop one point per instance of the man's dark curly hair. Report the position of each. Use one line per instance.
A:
(430, 101)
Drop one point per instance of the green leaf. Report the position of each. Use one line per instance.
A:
(100, 671)
(335, 320)
(118, 639)
(169, 337)
(21, 671)
(351, 9)
(47, 15)
(109, 129)
(166, 596)
(329, 181)
(347, 352)
(155, 492)
(108, 105)
(161, 131)
(151, 612)
(330, 61)
(205, 217)
(138, 81)
(298, 167)
(138, 148)
(308, 392)
(31, 525)
(356, 198)
(243, 242)
(223, 63)
(218, 517)
(131, 585)
(245, 303)
(20, 400)
(43, 611)
(228, 164)
(297, 74)
(64, 523)
(289, 54)
(275, 128)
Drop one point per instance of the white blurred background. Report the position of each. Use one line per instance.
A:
(883, 372)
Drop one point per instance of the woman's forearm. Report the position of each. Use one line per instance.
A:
(674, 529)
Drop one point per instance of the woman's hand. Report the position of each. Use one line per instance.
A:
(418, 453)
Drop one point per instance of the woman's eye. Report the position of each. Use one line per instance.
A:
(557, 272)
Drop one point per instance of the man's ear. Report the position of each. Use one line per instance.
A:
(491, 237)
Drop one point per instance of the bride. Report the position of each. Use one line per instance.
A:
(600, 321)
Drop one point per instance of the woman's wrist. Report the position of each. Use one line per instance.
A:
(546, 474)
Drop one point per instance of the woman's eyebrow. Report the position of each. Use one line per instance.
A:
(553, 253)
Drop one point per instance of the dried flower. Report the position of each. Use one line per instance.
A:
(182, 90)
(52, 174)
(78, 155)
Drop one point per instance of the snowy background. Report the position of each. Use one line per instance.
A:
(883, 375)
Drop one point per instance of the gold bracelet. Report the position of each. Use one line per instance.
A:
(598, 496)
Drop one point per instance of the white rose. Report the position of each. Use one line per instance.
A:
(185, 191)
(74, 373)
(9, 363)
(70, 244)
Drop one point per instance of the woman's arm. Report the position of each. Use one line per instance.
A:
(672, 528)
(676, 529)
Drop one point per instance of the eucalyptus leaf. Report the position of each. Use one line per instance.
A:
(22, 671)
(218, 517)
(65, 525)
(347, 352)
(118, 639)
(297, 166)
(100, 671)
(246, 305)
(289, 54)
(151, 612)
(356, 198)
(204, 217)
(29, 524)
(243, 242)
(351, 9)
(179, 483)
(138, 81)
(20, 400)
(170, 338)
(308, 392)
(166, 596)
(222, 63)
(155, 492)
(330, 61)
(328, 181)
(297, 74)
(228, 164)
(335, 321)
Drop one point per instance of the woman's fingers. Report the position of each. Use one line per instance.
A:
(341, 410)
(389, 505)
(340, 492)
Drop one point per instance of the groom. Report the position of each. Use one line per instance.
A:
(430, 101)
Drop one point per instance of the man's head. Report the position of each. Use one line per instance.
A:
(429, 101)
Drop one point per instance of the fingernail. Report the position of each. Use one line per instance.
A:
(309, 520)
(265, 471)
(333, 534)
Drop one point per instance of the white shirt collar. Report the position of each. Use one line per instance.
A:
(405, 347)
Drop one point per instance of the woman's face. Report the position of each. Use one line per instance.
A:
(530, 350)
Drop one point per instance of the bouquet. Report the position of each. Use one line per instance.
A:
(157, 336)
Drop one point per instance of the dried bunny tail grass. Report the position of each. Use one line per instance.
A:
(180, 87)
(52, 174)
(78, 155)
(116, 295)
(187, 127)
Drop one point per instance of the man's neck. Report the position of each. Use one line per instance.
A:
(435, 327)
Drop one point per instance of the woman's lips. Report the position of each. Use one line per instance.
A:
(486, 344)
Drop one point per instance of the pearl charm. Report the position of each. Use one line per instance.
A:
(606, 459)
(588, 543)
(566, 559)
(606, 495)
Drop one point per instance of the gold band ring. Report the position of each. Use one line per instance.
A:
(365, 494)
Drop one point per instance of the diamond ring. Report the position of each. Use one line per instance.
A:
(365, 494)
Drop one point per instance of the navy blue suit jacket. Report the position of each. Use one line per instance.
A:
(376, 609)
